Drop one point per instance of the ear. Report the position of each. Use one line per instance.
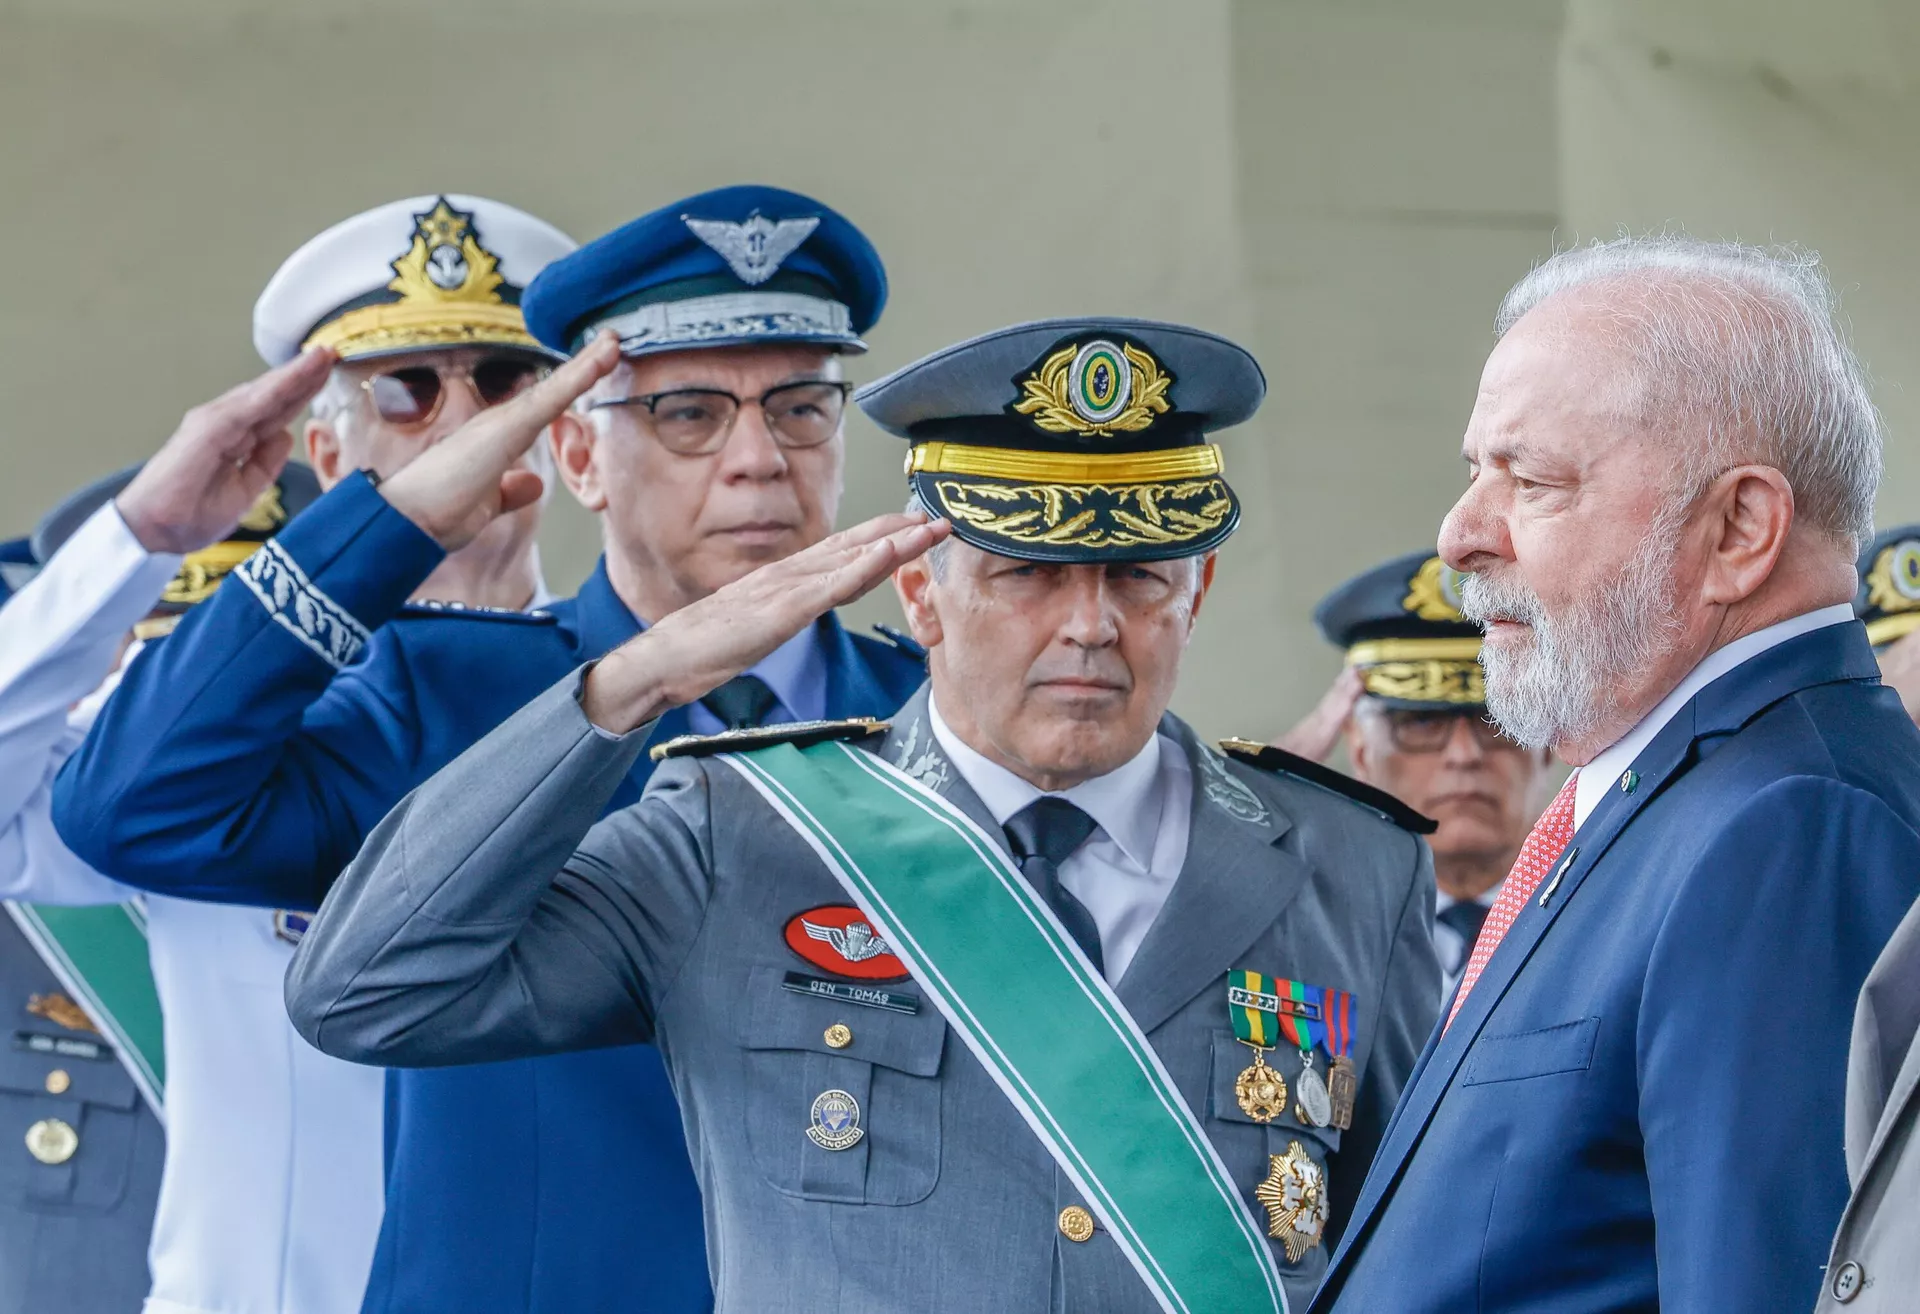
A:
(914, 584)
(1359, 750)
(575, 440)
(1749, 512)
(1207, 566)
(323, 453)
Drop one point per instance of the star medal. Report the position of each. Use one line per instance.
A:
(1295, 1194)
(1260, 1090)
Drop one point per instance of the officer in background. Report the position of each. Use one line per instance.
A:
(1415, 721)
(915, 1075)
(1889, 604)
(247, 758)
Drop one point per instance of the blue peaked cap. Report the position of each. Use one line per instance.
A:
(732, 267)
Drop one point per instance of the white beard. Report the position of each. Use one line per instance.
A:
(1552, 689)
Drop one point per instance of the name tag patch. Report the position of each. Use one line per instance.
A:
(845, 992)
(61, 1046)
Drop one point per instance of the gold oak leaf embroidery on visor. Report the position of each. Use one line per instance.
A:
(1089, 515)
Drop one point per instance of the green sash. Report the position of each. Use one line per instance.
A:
(1045, 1025)
(99, 956)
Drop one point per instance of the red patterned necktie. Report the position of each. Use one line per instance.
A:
(1545, 843)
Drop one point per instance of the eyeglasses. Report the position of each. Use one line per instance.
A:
(698, 421)
(414, 395)
(1428, 732)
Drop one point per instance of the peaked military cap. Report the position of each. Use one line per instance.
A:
(727, 268)
(1889, 596)
(200, 572)
(422, 274)
(1075, 439)
(1401, 625)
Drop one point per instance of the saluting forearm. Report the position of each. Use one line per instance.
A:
(448, 939)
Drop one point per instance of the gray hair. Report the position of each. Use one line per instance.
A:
(1743, 339)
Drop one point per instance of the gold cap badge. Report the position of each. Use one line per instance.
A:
(447, 286)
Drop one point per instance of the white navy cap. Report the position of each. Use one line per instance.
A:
(421, 274)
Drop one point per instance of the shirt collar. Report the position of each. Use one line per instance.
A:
(1121, 803)
(1598, 776)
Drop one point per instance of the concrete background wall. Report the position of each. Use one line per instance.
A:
(1346, 186)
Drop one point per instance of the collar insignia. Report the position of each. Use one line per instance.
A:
(1433, 593)
(754, 249)
(1095, 390)
(446, 262)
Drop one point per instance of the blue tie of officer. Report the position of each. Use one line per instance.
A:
(1041, 835)
(1465, 919)
(742, 702)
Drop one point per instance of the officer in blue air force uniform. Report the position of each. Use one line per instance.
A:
(248, 759)
(1144, 1069)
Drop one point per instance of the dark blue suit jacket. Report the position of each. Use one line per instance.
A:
(1640, 1105)
(235, 764)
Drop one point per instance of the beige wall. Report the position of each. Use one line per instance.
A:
(1347, 187)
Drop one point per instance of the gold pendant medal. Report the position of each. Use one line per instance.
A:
(1260, 1090)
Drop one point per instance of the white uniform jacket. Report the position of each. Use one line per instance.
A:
(271, 1198)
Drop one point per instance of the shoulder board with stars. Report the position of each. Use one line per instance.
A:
(800, 734)
(1269, 758)
(430, 610)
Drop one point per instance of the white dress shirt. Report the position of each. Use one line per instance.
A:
(1605, 771)
(272, 1193)
(1125, 870)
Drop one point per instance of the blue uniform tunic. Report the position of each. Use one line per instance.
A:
(245, 759)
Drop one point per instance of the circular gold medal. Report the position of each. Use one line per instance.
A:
(1261, 1091)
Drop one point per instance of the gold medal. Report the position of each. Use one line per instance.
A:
(1315, 1108)
(1261, 1092)
(1343, 1084)
(1295, 1194)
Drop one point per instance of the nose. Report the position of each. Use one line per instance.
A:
(1475, 530)
(1463, 747)
(1092, 619)
(752, 452)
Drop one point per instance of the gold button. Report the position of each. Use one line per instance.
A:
(1076, 1224)
(52, 1141)
(839, 1036)
(58, 1081)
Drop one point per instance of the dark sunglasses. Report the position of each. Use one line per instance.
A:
(415, 394)
(698, 421)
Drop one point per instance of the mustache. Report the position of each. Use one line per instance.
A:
(1486, 598)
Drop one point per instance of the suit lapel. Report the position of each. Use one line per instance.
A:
(1233, 885)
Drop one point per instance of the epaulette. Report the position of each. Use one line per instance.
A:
(428, 609)
(1269, 758)
(906, 643)
(800, 734)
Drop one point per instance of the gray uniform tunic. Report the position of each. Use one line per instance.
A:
(490, 917)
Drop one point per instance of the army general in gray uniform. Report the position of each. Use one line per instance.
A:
(853, 1154)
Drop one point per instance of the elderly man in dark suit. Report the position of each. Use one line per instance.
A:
(1634, 1101)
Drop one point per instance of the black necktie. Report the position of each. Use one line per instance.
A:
(1464, 919)
(1041, 835)
(742, 702)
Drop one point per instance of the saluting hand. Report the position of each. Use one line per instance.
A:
(462, 483)
(700, 647)
(225, 453)
(1319, 730)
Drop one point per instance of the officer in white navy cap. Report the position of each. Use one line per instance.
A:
(419, 300)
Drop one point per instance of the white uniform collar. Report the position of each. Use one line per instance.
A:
(1599, 775)
(1123, 803)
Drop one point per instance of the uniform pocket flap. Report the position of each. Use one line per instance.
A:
(1231, 1058)
(775, 1017)
(92, 1073)
(1565, 1047)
